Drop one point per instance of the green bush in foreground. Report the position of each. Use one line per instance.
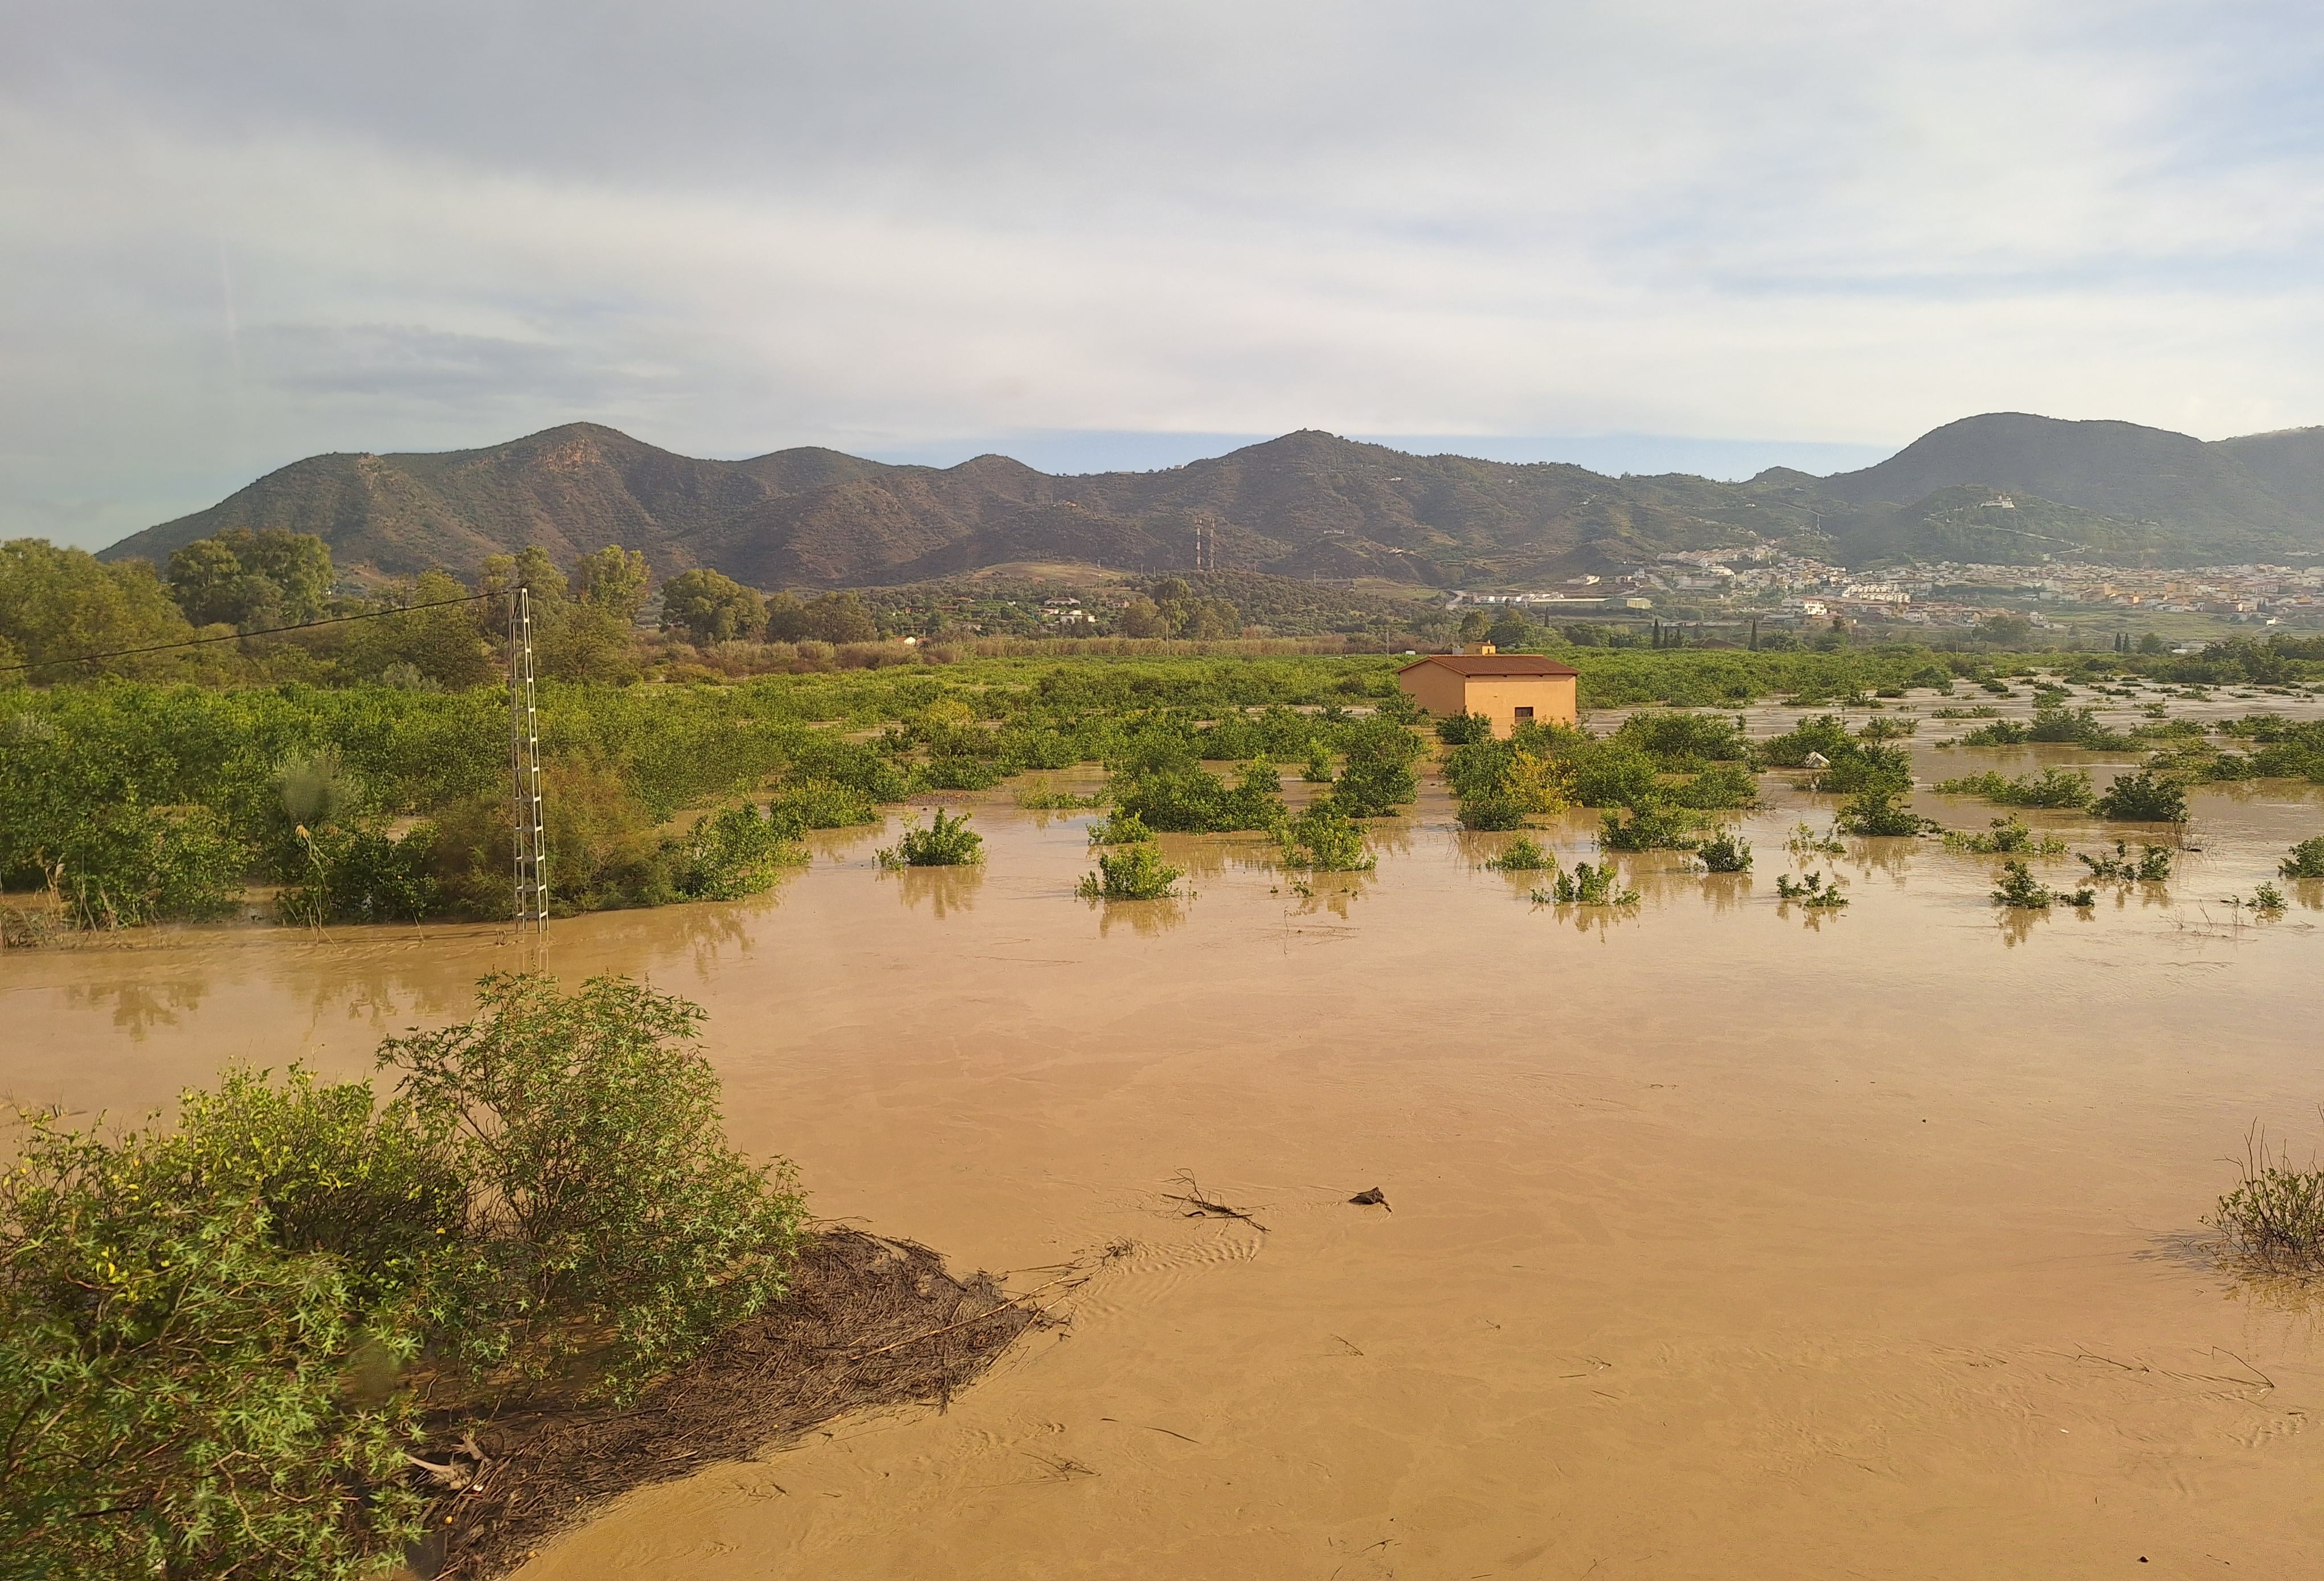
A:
(203, 1330)
(360, 875)
(2151, 865)
(1130, 873)
(948, 842)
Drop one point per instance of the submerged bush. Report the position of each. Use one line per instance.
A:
(1720, 786)
(2007, 836)
(1377, 777)
(1185, 798)
(2019, 889)
(2151, 865)
(2142, 797)
(730, 854)
(948, 842)
(1813, 890)
(2069, 789)
(1586, 886)
(2275, 1216)
(1327, 840)
(1133, 872)
(1522, 854)
(1725, 852)
(1652, 825)
(1875, 813)
(822, 804)
(360, 875)
(2305, 860)
(126, 865)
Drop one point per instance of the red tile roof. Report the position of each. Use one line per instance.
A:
(1494, 664)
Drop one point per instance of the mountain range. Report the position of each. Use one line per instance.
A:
(2004, 487)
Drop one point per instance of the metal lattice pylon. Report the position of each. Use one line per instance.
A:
(524, 771)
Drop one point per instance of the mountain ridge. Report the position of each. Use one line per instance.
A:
(1306, 503)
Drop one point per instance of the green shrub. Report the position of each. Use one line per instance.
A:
(1522, 854)
(2069, 789)
(948, 842)
(821, 804)
(1586, 886)
(2275, 1216)
(1325, 839)
(2306, 860)
(125, 865)
(1651, 826)
(730, 854)
(1133, 872)
(1119, 828)
(1684, 742)
(1875, 813)
(1725, 852)
(1186, 798)
(1723, 785)
(2005, 836)
(599, 1183)
(360, 875)
(1377, 777)
(2020, 889)
(1812, 891)
(1464, 729)
(2266, 897)
(2142, 797)
(2151, 865)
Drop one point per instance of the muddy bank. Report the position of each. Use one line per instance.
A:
(868, 1324)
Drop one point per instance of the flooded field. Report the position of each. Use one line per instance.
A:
(1722, 1237)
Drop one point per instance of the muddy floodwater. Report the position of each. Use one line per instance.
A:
(1722, 1238)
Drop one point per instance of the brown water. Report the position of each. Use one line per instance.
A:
(1726, 1239)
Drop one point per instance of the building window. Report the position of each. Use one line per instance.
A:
(1524, 714)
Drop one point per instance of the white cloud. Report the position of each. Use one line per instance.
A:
(729, 229)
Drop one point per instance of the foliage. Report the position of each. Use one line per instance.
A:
(125, 865)
(1039, 796)
(1522, 854)
(597, 1180)
(1651, 826)
(710, 607)
(57, 604)
(2005, 836)
(822, 804)
(2306, 860)
(946, 842)
(1317, 768)
(1119, 828)
(731, 853)
(1725, 852)
(2142, 797)
(1134, 872)
(1501, 783)
(2266, 897)
(2020, 889)
(2052, 723)
(1813, 891)
(1686, 742)
(2151, 865)
(250, 580)
(1167, 790)
(2057, 788)
(1464, 729)
(1805, 842)
(1875, 813)
(1326, 839)
(174, 1375)
(1377, 777)
(2275, 1216)
(1720, 786)
(1586, 886)
(363, 876)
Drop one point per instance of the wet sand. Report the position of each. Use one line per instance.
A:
(1725, 1239)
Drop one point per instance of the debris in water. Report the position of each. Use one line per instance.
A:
(1375, 1197)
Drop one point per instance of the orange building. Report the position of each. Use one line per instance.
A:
(1505, 687)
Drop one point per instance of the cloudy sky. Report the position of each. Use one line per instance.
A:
(1716, 235)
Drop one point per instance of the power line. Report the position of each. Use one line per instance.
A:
(304, 626)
